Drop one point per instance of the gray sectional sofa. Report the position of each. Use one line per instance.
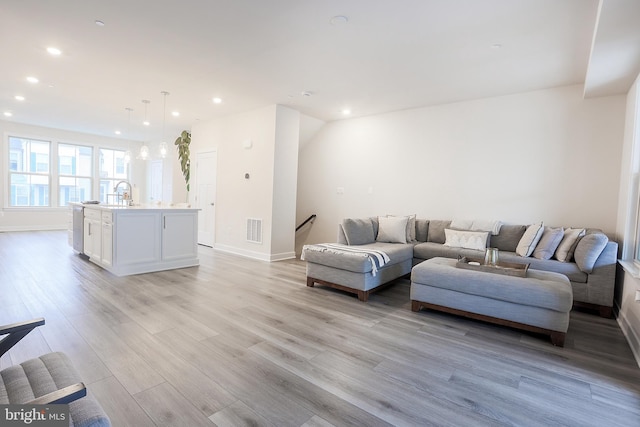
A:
(592, 285)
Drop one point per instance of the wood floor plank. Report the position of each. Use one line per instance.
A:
(203, 393)
(238, 414)
(123, 410)
(237, 341)
(167, 407)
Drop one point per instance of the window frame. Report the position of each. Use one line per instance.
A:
(60, 175)
(54, 175)
(29, 173)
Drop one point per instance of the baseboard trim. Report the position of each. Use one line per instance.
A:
(255, 255)
(8, 229)
(632, 338)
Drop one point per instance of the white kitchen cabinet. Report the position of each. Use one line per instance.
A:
(93, 235)
(133, 240)
(179, 235)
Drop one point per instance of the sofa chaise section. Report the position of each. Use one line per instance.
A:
(355, 273)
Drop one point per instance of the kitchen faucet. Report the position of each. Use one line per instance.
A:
(126, 195)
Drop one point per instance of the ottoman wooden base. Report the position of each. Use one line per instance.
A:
(557, 338)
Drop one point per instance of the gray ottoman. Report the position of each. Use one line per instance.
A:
(539, 303)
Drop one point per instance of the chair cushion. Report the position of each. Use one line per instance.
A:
(45, 374)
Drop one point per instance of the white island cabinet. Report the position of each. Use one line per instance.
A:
(134, 240)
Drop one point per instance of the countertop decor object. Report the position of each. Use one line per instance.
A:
(504, 268)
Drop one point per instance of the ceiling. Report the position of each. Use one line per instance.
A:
(385, 56)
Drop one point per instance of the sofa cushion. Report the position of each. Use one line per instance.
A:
(589, 249)
(508, 238)
(567, 246)
(428, 250)
(548, 243)
(530, 239)
(358, 231)
(466, 239)
(569, 269)
(358, 264)
(436, 231)
(392, 229)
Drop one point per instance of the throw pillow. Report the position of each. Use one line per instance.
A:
(422, 229)
(392, 229)
(508, 238)
(411, 227)
(530, 239)
(589, 249)
(466, 239)
(436, 231)
(568, 244)
(546, 247)
(358, 231)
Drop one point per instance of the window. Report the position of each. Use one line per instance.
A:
(29, 168)
(112, 170)
(75, 165)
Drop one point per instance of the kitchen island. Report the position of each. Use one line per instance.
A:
(129, 240)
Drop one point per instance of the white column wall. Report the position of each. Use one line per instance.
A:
(269, 192)
(285, 182)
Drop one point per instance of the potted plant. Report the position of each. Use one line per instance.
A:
(182, 144)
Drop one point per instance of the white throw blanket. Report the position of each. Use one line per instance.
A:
(377, 258)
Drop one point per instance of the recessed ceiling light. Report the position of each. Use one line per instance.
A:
(118, 132)
(339, 20)
(306, 93)
(99, 23)
(496, 46)
(8, 114)
(54, 51)
(19, 98)
(217, 100)
(175, 113)
(32, 79)
(146, 123)
(346, 112)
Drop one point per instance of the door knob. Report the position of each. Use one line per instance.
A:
(212, 203)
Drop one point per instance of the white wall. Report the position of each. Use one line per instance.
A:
(239, 198)
(628, 277)
(285, 182)
(20, 219)
(546, 155)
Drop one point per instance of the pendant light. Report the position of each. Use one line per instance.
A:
(163, 145)
(144, 150)
(127, 154)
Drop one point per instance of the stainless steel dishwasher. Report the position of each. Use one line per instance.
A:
(78, 228)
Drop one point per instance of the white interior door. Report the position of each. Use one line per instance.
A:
(206, 171)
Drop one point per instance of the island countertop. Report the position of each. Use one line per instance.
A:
(139, 207)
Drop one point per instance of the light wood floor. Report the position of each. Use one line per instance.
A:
(239, 342)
